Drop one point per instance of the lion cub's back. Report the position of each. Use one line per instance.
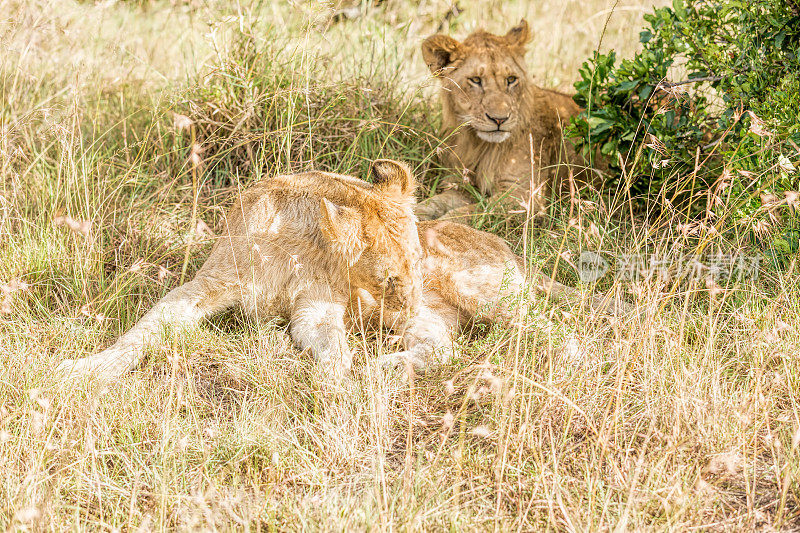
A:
(564, 105)
(291, 202)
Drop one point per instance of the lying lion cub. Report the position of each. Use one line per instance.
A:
(298, 247)
(503, 132)
(323, 250)
(468, 275)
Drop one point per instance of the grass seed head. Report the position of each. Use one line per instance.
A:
(181, 123)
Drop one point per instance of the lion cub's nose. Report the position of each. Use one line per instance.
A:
(497, 120)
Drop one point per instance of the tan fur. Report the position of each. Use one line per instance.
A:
(496, 157)
(468, 276)
(298, 247)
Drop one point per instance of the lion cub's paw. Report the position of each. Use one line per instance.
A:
(420, 364)
(427, 210)
(463, 214)
(397, 360)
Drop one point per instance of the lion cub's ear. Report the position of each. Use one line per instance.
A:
(439, 50)
(341, 226)
(393, 176)
(519, 35)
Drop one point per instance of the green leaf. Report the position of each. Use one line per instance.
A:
(595, 121)
(627, 86)
(608, 148)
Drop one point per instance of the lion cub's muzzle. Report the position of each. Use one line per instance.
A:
(494, 128)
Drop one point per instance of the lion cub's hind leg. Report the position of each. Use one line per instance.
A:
(488, 291)
(182, 308)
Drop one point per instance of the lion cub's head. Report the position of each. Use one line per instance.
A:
(483, 79)
(378, 237)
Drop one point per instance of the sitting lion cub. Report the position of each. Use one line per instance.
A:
(502, 132)
(298, 247)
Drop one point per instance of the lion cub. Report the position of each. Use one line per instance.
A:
(502, 132)
(469, 275)
(298, 247)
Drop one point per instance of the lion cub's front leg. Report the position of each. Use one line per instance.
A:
(317, 324)
(428, 335)
(182, 308)
(510, 199)
(442, 203)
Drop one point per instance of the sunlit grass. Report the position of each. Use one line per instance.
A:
(683, 416)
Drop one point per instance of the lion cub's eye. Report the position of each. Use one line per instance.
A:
(511, 80)
(476, 80)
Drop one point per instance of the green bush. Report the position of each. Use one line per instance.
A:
(706, 116)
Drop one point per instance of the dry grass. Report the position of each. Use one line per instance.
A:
(687, 417)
